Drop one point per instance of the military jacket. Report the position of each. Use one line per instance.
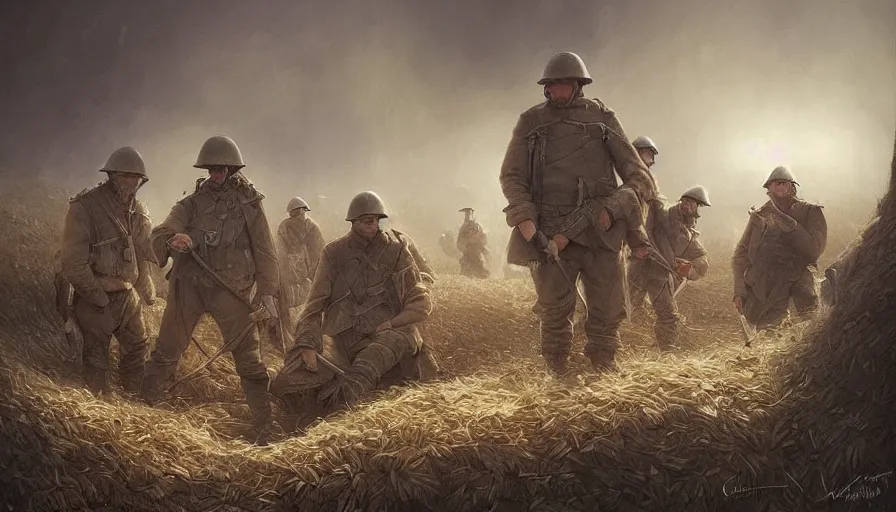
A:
(360, 285)
(229, 230)
(106, 246)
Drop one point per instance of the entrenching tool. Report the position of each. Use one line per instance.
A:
(254, 317)
(220, 280)
(748, 331)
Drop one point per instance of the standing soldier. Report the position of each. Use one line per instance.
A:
(473, 246)
(675, 228)
(300, 242)
(361, 317)
(563, 199)
(221, 243)
(638, 270)
(106, 256)
(775, 260)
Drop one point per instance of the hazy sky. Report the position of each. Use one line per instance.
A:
(417, 99)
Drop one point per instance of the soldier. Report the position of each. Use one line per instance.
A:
(300, 242)
(646, 150)
(106, 258)
(558, 178)
(473, 246)
(221, 242)
(637, 269)
(361, 317)
(675, 228)
(774, 261)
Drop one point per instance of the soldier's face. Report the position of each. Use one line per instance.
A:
(561, 91)
(218, 174)
(781, 189)
(689, 206)
(648, 157)
(367, 226)
(126, 180)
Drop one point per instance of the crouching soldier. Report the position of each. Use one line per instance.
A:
(360, 320)
(106, 258)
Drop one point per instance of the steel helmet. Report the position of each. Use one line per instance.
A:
(126, 159)
(698, 194)
(643, 142)
(219, 150)
(780, 173)
(565, 66)
(297, 202)
(366, 203)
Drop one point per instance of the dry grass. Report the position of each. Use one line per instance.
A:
(495, 433)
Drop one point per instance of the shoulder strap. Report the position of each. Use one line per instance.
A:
(112, 217)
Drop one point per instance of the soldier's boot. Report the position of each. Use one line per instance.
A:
(367, 369)
(151, 389)
(131, 378)
(601, 352)
(95, 379)
(557, 363)
(666, 335)
(259, 400)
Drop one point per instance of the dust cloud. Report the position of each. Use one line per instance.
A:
(416, 101)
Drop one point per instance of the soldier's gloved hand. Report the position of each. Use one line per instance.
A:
(604, 220)
(180, 242)
(309, 357)
(682, 267)
(561, 241)
(739, 304)
(268, 302)
(527, 228)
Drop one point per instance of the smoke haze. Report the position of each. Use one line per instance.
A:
(416, 100)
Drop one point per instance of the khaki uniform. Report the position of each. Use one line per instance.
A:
(359, 286)
(427, 273)
(472, 243)
(676, 238)
(773, 266)
(106, 256)
(230, 232)
(300, 242)
(575, 150)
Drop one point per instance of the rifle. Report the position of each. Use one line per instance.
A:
(255, 314)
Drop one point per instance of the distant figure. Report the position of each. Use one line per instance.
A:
(472, 243)
(299, 243)
(771, 264)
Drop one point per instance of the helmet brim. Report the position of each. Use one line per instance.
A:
(582, 81)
